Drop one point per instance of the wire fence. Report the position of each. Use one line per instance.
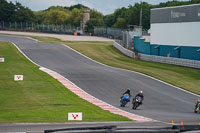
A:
(123, 36)
(25, 26)
(113, 33)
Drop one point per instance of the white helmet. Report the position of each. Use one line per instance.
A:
(141, 92)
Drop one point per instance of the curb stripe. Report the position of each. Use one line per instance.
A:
(82, 94)
(71, 86)
(69, 83)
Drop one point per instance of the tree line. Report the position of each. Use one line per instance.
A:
(72, 16)
(10, 12)
(124, 17)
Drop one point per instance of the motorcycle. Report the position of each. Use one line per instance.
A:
(197, 109)
(137, 101)
(124, 100)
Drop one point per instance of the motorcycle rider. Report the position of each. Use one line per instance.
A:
(197, 106)
(140, 94)
(127, 92)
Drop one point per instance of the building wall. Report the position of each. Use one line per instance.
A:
(141, 46)
(176, 25)
(160, 59)
(183, 34)
(175, 32)
(184, 52)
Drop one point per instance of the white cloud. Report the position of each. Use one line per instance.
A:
(61, 2)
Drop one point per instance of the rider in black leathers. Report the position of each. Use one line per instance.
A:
(140, 94)
(127, 92)
(197, 105)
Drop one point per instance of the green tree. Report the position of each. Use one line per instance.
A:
(6, 11)
(96, 20)
(78, 6)
(109, 20)
(15, 12)
(96, 14)
(23, 14)
(56, 17)
(76, 17)
(93, 22)
(40, 16)
(134, 14)
(145, 15)
(121, 23)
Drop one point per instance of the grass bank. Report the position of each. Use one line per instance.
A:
(39, 98)
(186, 78)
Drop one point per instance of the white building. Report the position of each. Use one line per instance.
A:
(179, 26)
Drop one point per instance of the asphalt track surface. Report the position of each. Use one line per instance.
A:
(162, 102)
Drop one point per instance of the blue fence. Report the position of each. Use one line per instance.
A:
(184, 52)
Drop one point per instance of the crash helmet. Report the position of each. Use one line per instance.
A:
(128, 90)
(141, 92)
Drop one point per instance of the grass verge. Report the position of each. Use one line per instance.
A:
(39, 98)
(186, 78)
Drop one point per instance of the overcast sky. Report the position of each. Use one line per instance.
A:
(104, 6)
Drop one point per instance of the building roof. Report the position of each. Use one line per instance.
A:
(175, 7)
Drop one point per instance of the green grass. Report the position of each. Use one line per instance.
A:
(39, 98)
(186, 78)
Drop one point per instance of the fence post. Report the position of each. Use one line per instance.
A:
(38, 26)
(26, 25)
(9, 25)
(21, 25)
(127, 41)
(15, 25)
(3, 24)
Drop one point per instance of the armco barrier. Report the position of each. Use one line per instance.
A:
(125, 51)
(160, 59)
(169, 60)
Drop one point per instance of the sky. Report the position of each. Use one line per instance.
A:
(103, 6)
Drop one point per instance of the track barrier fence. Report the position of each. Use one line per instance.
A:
(27, 26)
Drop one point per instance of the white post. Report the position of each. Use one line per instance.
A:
(15, 25)
(21, 25)
(3, 24)
(141, 14)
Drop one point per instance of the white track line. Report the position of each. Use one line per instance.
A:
(25, 55)
(33, 39)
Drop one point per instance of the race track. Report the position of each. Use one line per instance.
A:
(162, 102)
